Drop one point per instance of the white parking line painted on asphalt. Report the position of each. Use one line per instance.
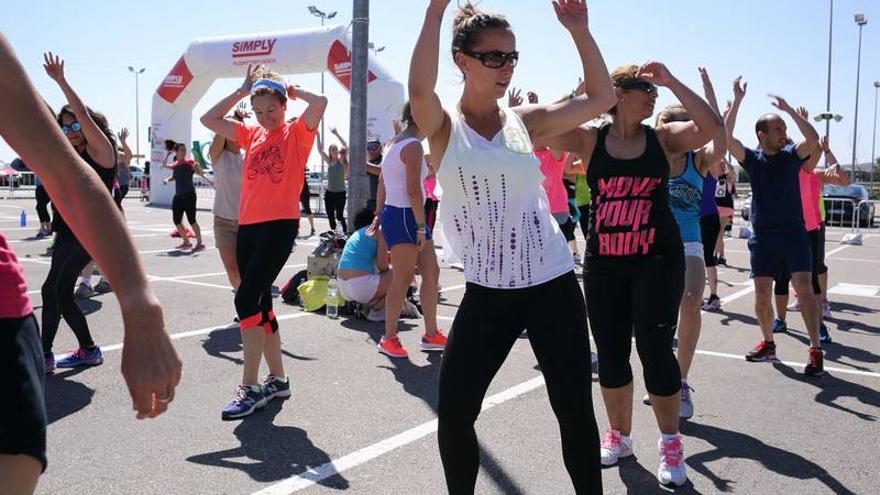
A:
(366, 454)
(152, 278)
(858, 290)
(741, 357)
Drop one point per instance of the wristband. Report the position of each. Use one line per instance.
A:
(420, 226)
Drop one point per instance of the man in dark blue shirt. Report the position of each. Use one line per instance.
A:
(779, 239)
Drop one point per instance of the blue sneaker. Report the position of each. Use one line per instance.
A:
(247, 399)
(824, 336)
(779, 326)
(81, 357)
(49, 366)
(276, 387)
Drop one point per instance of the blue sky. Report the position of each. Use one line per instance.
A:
(779, 46)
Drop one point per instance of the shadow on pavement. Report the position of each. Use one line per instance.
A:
(65, 397)
(639, 480)
(832, 388)
(272, 452)
(728, 316)
(836, 351)
(225, 341)
(731, 444)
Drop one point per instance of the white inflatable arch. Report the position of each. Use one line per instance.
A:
(287, 52)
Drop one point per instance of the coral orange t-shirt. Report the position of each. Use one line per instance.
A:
(274, 171)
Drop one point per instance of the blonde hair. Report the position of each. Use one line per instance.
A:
(672, 113)
(621, 75)
(262, 72)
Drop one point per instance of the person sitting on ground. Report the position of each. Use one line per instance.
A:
(364, 273)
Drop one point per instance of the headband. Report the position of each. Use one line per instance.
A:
(268, 83)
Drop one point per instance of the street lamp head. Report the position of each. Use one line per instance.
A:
(130, 68)
(331, 15)
(877, 84)
(142, 70)
(861, 19)
(838, 117)
(314, 11)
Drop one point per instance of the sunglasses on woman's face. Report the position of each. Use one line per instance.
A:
(494, 59)
(373, 146)
(73, 127)
(640, 85)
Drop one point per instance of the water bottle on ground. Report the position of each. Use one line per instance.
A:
(332, 296)
(23, 220)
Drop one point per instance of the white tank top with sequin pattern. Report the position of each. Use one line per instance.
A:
(495, 214)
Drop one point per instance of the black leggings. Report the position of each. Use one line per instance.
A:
(431, 206)
(641, 299)
(68, 260)
(305, 199)
(184, 203)
(119, 195)
(334, 202)
(486, 326)
(585, 219)
(567, 229)
(261, 251)
(42, 204)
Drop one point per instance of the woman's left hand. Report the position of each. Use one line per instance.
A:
(655, 72)
(421, 239)
(291, 91)
(572, 14)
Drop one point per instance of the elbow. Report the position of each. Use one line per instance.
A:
(206, 121)
(608, 98)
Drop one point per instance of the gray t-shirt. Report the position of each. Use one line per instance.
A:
(336, 177)
(227, 184)
(123, 174)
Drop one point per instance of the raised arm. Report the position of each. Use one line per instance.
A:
(216, 149)
(811, 138)
(314, 112)
(149, 363)
(426, 108)
(341, 139)
(734, 145)
(215, 119)
(544, 121)
(715, 150)
(323, 155)
(124, 158)
(97, 143)
(832, 174)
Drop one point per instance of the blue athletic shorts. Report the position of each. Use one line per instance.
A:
(772, 252)
(399, 226)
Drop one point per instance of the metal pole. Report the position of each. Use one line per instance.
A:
(856, 118)
(137, 119)
(323, 136)
(358, 185)
(874, 141)
(828, 90)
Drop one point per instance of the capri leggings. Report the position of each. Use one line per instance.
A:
(639, 299)
(305, 200)
(261, 250)
(184, 203)
(486, 326)
(42, 204)
(68, 260)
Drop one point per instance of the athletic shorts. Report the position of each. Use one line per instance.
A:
(22, 374)
(225, 232)
(776, 251)
(724, 211)
(184, 203)
(399, 226)
(360, 289)
(693, 249)
(710, 225)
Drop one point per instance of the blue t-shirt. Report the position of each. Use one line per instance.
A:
(359, 252)
(685, 198)
(776, 192)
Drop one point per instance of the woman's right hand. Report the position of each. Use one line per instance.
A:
(248, 80)
(374, 227)
(54, 66)
(421, 239)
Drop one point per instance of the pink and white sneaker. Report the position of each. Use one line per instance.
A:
(615, 445)
(672, 471)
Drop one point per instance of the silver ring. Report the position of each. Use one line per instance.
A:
(163, 401)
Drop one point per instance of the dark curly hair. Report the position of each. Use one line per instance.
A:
(99, 118)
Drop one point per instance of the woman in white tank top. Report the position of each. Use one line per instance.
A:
(497, 220)
(399, 200)
(227, 162)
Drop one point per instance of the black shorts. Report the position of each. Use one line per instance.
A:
(305, 199)
(772, 252)
(22, 374)
(710, 225)
(817, 250)
(184, 203)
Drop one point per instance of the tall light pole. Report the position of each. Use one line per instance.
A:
(323, 16)
(861, 20)
(358, 184)
(137, 112)
(828, 86)
(874, 142)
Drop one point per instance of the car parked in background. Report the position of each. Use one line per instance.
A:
(317, 183)
(746, 209)
(846, 205)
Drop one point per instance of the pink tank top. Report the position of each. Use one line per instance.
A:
(810, 188)
(430, 183)
(553, 186)
(14, 302)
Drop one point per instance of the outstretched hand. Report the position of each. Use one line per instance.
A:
(655, 72)
(54, 66)
(780, 103)
(739, 89)
(823, 144)
(572, 14)
(249, 78)
(514, 97)
(123, 134)
(533, 97)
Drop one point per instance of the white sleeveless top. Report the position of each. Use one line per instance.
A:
(495, 214)
(394, 175)
(227, 184)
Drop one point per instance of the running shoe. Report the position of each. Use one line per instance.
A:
(436, 342)
(646, 400)
(42, 233)
(794, 305)
(764, 351)
(713, 303)
(49, 365)
(826, 310)
(84, 291)
(185, 245)
(524, 334)
(824, 336)
(376, 315)
(594, 359)
(51, 246)
(815, 363)
(198, 247)
(672, 471)
(779, 326)
(686, 409)
(103, 287)
(576, 258)
(409, 310)
(247, 399)
(81, 357)
(275, 387)
(614, 446)
(392, 347)
(721, 260)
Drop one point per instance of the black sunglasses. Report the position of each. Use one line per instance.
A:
(642, 85)
(73, 127)
(494, 59)
(373, 146)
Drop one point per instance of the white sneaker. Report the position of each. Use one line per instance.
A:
(576, 258)
(84, 291)
(794, 305)
(614, 445)
(672, 471)
(686, 409)
(376, 315)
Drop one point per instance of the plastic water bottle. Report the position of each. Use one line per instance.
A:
(332, 295)
(23, 220)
